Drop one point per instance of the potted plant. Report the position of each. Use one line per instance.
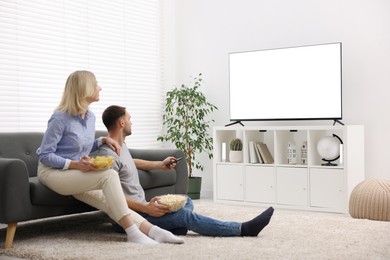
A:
(235, 154)
(186, 121)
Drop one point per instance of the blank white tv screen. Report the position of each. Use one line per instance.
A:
(295, 83)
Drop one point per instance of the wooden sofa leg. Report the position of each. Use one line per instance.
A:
(9, 238)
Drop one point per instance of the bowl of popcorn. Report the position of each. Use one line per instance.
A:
(173, 201)
(102, 162)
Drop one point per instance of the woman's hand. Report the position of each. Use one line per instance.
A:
(83, 165)
(114, 145)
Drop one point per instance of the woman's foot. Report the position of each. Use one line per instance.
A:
(136, 236)
(163, 236)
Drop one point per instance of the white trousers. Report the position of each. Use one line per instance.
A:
(99, 189)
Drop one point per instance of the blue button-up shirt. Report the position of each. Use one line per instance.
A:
(67, 138)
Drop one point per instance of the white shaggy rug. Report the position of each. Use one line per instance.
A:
(290, 235)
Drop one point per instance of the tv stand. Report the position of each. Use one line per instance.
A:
(337, 121)
(306, 184)
(236, 122)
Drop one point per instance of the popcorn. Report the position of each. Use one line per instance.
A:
(173, 201)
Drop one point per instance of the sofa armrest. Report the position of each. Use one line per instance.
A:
(181, 168)
(15, 204)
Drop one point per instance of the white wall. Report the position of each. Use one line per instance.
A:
(207, 30)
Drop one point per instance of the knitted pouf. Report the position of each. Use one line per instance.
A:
(370, 199)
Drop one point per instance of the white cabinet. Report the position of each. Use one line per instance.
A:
(327, 188)
(230, 182)
(305, 185)
(259, 184)
(291, 186)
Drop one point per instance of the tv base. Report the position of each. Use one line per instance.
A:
(236, 122)
(337, 121)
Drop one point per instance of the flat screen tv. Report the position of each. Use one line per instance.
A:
(294, 83)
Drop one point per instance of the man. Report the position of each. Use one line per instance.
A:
(118, 123)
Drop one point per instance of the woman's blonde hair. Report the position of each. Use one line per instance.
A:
(79, 86)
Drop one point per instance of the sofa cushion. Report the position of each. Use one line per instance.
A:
(22, 146)
(156, 178)
(41, 195)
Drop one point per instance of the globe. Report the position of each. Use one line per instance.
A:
(329, 149)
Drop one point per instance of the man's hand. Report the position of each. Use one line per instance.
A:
(169, 163)
(154, 209)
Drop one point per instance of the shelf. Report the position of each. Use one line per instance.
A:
(306, 184)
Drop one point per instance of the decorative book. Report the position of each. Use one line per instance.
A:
(265, 153)
(258, 153)
(252, 153)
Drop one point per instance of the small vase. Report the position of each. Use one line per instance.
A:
(235, 156)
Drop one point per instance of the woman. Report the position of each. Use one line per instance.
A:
(65, 168)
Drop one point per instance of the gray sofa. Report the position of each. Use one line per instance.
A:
(23, 197)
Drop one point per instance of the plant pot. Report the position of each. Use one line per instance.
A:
(194, 185)
(235, 156)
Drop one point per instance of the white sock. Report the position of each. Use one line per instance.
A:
(136, 236)
(164, 236)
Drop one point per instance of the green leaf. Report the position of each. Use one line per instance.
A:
(186, 122)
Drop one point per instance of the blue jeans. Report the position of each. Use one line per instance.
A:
(187, 218)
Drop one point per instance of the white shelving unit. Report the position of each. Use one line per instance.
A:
(307, 187)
